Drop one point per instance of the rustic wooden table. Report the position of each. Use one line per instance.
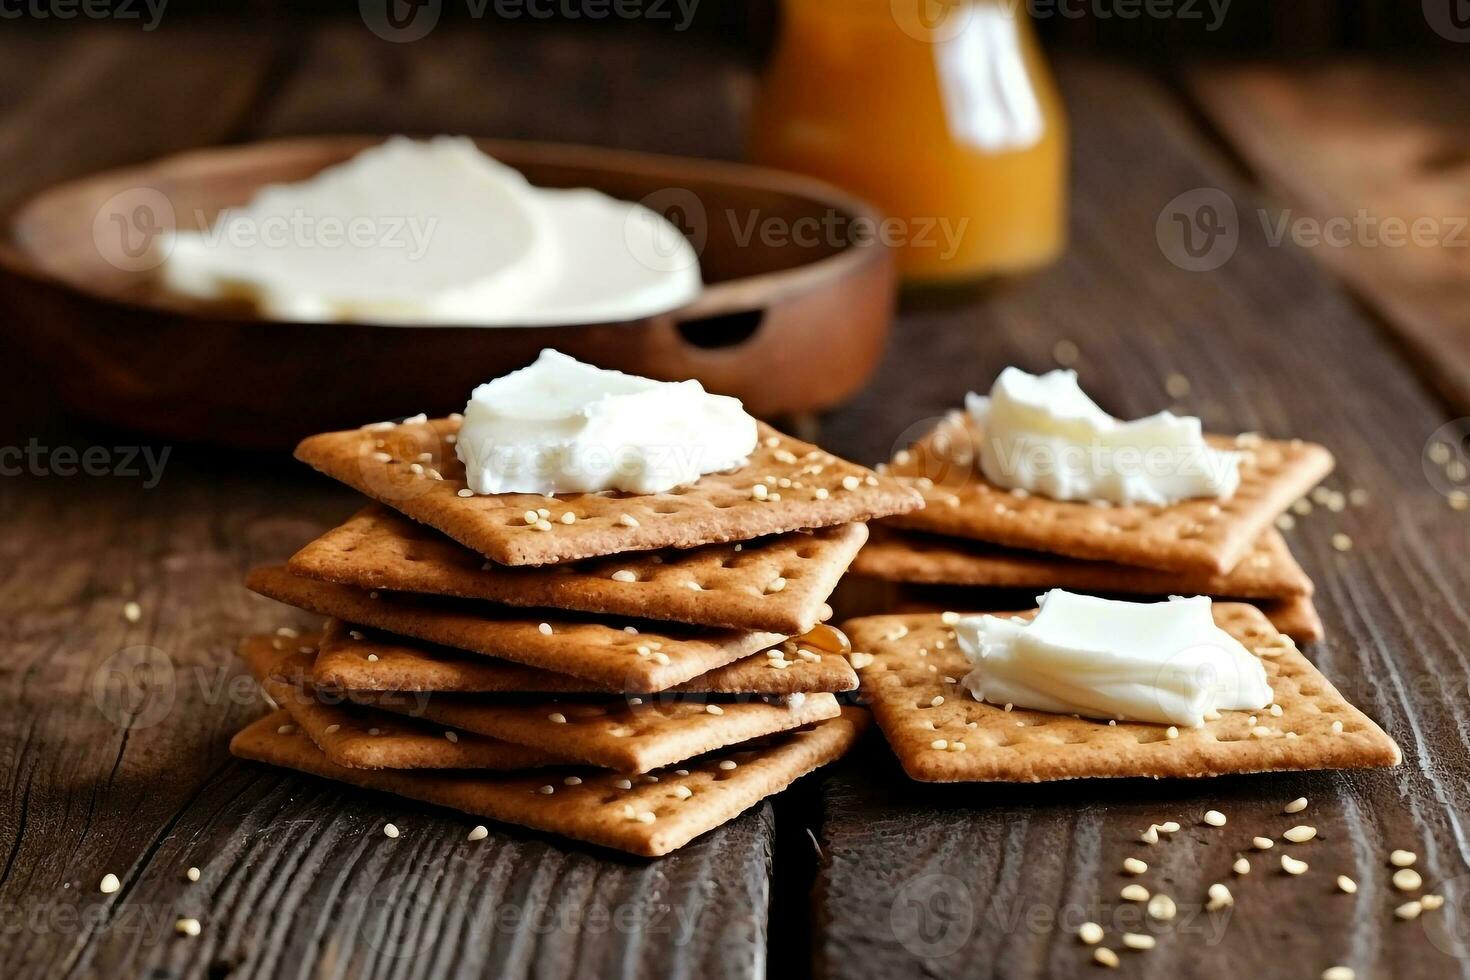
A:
(857, 872)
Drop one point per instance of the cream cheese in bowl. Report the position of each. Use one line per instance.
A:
(436, 232)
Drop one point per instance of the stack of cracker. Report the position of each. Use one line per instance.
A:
(627, 670)
(974, 534)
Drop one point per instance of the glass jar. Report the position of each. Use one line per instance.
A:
(943, 114)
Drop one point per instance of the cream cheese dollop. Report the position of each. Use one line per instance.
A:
(1162, 662)
(435, 232)
(561, 426)
(1045, 436)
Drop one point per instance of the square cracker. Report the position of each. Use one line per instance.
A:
(1199, 536)
(655, 657)
(630, 735)
(778, 584)
(595, 808)
(1266, 571)
(412, 467)
(904, 685)
(362, 738)
(397, 664)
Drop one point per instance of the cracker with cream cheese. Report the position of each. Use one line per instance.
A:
(911, 668)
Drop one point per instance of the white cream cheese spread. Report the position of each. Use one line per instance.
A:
(1161, 662)
(435, 232)
(1045, 436)
(561, 426)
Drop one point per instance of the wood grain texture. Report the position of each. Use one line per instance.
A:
(298, 880)
(113, 733)
(967, 881)
(1344, 141)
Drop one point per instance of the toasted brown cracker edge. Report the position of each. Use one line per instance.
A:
(402, 665)
(776, 584)
(605, 654)
(823, 491)
(1033, 746)
(1267, 570)
(363, 738)
(615, 733)
(1199, 536)
(593, 811)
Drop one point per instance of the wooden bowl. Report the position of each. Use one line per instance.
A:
(791, 324)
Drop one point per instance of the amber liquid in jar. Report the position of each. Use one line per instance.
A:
(944, 115)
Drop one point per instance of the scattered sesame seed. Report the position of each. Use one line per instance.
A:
(1338, 973)
(1065, 353)
(1337, 728)
(1342, 542)
(820, 493)
(714, 709)
(1407, 880)
(1169, 826)
(544, 629)
(624, 575)
(1408, 910)
(1161, 907)
(1286, 522)
(623, 783)
(776, 584)
(726, 765)
(647, 816)
(389, 830)
(628, 520)
(1214, 818)
(372, 658)
(1296, 806)
(1105, 957)
(1347, 885)
(573, 781)
(683, 792)
(1151, 835)
(546, 790)
(464, 492)
(480, 832)
(1134, 893)
(332, 729)
(1431, 902)
(1292, 866)
(1402, 859)
(187, 927)
(1171, 732)
(939, 743)
(1134, 866)
(1220, 897)
(1300, 834)
(132, 612)
(192, 874)
(1241, 866)
(286, 730)
(569, 518)
(109, 884)
(1090, 933)
(451, 736)
(1138, 940)
(851, 482)
(1263, 843)
(557, 717)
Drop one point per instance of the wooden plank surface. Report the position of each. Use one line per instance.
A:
(297, 878)
(991, 881)
(1372, 160)
(115, 733)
